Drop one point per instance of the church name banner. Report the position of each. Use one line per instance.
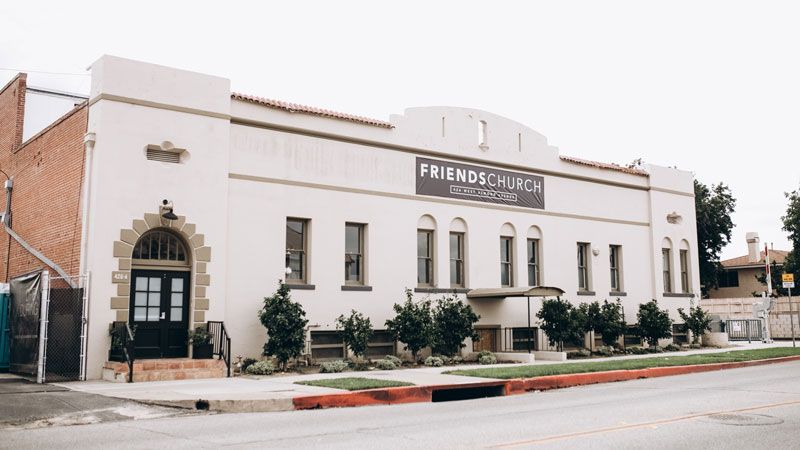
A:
(468, 182)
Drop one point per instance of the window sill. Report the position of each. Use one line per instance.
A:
(589, 293)
(678, 295)
(300, 287)
(435, 290)
(356, 287)
(618, 294)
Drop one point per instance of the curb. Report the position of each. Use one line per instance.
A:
(423, 394)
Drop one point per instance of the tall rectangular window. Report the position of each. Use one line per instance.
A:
(506, 261)
(666, 262)
(614, 254)
(296, 250)
(533, 262)
(353, 253)
(684, 256)
(456, 259)
(425, 257)
(583, 266)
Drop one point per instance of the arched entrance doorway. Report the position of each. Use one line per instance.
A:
(159, 297)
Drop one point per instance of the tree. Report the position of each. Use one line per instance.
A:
(559, 323)
(612, 324)
(412, 324)
(453, 321)
(791, 224)
(697, 321)
(356, 332)
(588, 319)
(653, 323)
(713, 209)
(285, 323)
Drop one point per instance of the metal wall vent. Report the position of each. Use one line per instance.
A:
(155, 154)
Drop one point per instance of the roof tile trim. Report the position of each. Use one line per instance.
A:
(607, 166)
(303, 109)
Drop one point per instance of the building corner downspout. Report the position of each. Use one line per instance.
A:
(88, 144)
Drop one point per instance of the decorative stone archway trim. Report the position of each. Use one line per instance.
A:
(201, 256)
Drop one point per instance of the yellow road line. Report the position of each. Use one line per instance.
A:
(635, 426)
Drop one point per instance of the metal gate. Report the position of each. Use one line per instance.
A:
(744, 330)
(5, 330)
(63, 340)
(49, 327)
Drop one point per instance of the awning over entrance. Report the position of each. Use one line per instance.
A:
(525, 291)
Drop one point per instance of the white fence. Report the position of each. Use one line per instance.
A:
(742, 308)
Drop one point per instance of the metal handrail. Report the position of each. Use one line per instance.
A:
(123, 341)
(221, 342)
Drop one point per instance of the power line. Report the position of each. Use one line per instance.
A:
(44, 72)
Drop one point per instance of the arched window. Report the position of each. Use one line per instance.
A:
(160, 246)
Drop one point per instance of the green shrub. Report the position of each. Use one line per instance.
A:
(359, 364)
(457, 360)
(446, 360)
(394, 359)
(333, 366)
(263, 367)
(285, 323)
(434, 361)
(653, 323)
(356, 332)
(453, 322)
(412, 324)
(605, 350)
(697, 321)
(636, 351)
(247, 362)
(385, 364)
(672, 348)
(582, 353)
(486, 357)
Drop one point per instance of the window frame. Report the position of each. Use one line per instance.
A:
(509, 263)
(361, 255)
(584, 268)
(459, 259)
(615, 267)
(430, 258)
(683, 258)
(303, 252)
(666, 270)
(536, 262)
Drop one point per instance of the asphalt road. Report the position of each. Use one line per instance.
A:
(751, 408)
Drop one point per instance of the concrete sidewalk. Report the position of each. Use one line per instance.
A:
(276, 392)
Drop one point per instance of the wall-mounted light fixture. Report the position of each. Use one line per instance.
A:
(166, 210)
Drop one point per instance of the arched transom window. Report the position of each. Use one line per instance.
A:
(159, 245)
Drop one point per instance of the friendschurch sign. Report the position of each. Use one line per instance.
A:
(463, 181)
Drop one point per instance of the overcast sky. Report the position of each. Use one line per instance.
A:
(711, 87)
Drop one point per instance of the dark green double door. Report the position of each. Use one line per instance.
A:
(159, 310)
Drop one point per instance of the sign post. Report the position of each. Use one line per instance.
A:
(788, 283)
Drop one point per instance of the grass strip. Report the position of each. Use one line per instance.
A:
(532, 371)
(354, 383)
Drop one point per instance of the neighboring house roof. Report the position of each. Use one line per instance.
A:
(779, 256)
(607, 166)
(312, 110)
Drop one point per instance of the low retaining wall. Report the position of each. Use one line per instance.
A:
(742, 308)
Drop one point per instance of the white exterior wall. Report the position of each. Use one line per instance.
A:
(247, 174)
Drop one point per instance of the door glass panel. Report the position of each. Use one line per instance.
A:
(177, 299)
(177, 285)
(155, 284)
(152, 314)
(154, 299)
(175, 314)
(141, 283)
(141, 299)
(140, 314)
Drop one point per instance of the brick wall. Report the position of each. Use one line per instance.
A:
(47, 171)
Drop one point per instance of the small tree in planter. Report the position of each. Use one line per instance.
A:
(697, 321)
(356, 332)
(653, 323)
(588, 319)
(612, 324)
(411, 324)
(559, 323)
(200, 339)
(453, 322)
(285, 323)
